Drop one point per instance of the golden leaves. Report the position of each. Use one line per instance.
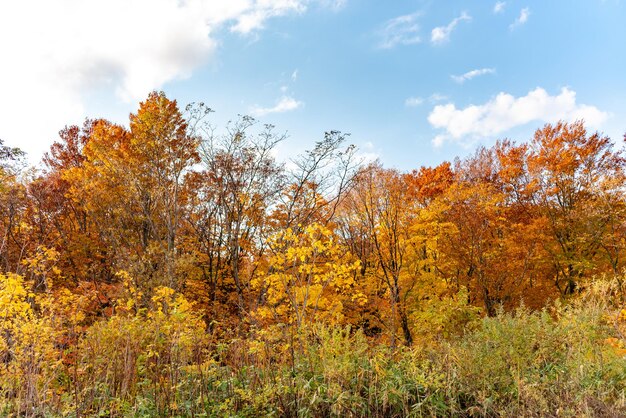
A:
(309, 274)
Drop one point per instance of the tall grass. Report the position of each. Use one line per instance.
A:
(567, 360)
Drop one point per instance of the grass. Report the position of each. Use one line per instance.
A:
(566, 360)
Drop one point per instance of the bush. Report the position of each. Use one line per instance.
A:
(547, 363)
(157, 359)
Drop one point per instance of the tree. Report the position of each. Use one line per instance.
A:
(310, 278)
(130, 183)
(14, 240)
(576, 182)
(60, 217)
(320, 179)
(395, 238)
(230, 200)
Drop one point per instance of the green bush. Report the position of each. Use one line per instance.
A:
(548, 363)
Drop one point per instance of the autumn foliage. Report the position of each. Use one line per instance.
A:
(171, 268)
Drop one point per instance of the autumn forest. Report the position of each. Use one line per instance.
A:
(171, 267)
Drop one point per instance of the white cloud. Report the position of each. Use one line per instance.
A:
(524, 14)
(285, 104)
(499, 7)
(437, 97)
(441, 34)
(439, 140)
(252, 15)
(413, 101)
(294, 75)
(368, 153)
(55, 53)
(505, 111)
(334, 5)
(401, 30)
(471, 74)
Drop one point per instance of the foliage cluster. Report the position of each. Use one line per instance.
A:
(565, 360)
(169, 268)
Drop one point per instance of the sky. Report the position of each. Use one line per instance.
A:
(414, 82)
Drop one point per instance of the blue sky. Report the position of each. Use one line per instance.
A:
(414, 82)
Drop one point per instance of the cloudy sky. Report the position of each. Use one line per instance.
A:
(414, 82)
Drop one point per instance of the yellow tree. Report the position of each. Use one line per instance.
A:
(310, 278)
